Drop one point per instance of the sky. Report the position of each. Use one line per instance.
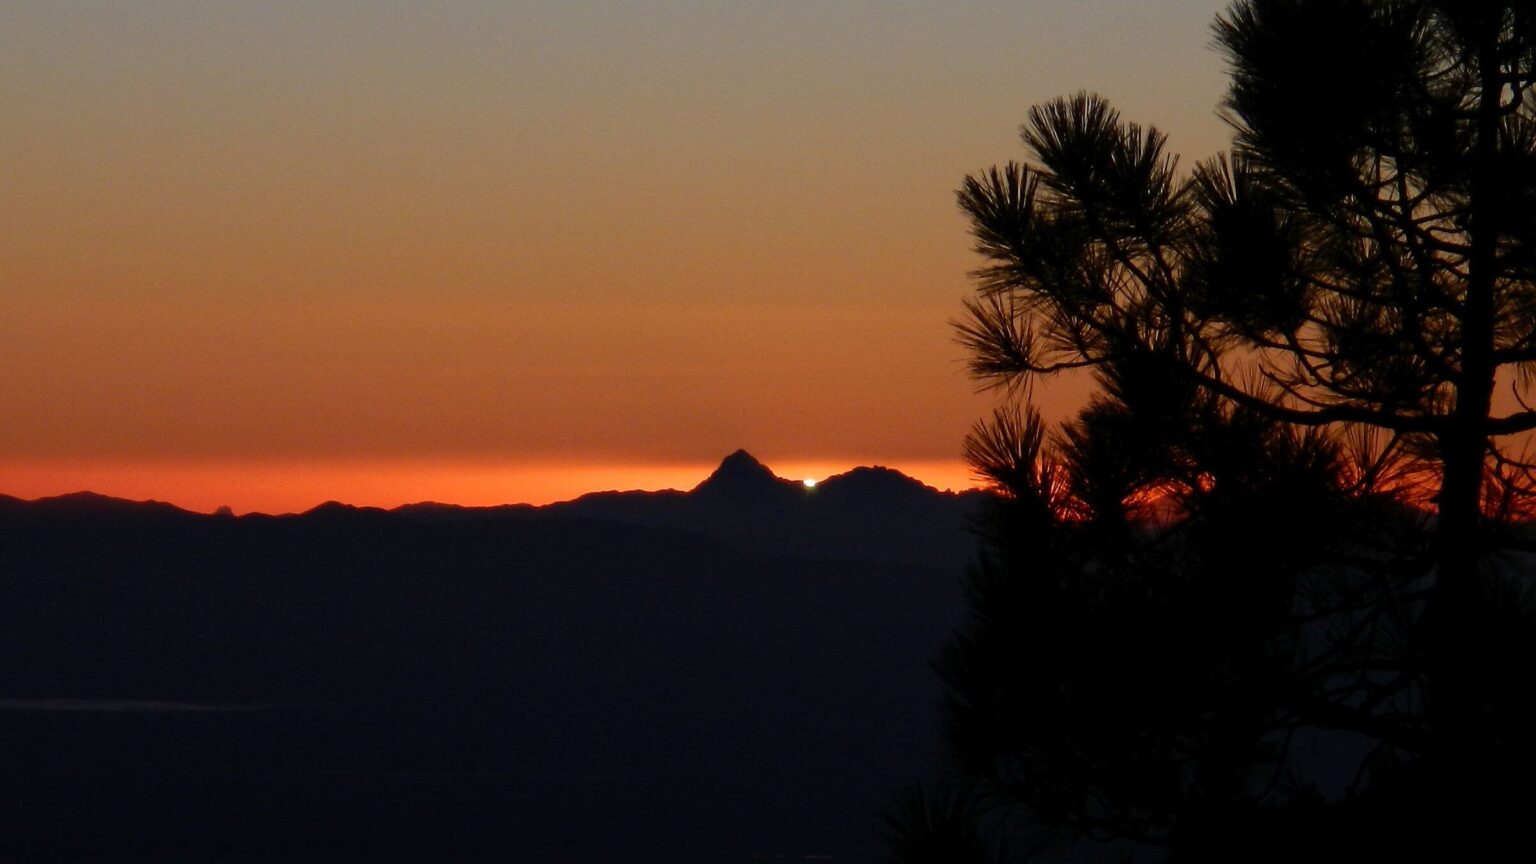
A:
(267, 254)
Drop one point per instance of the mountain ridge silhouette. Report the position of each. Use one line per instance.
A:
(434, 682)
(866, 513)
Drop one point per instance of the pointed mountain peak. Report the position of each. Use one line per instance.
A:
(740, 470)
(741, 460)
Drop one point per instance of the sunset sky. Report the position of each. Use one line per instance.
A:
(271, 253)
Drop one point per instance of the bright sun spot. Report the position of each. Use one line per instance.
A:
(810, 482)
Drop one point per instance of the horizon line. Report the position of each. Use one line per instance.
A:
(290, 485)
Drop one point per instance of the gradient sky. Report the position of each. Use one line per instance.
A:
(269, 253)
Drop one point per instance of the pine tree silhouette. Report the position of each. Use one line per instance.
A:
(1262, 598)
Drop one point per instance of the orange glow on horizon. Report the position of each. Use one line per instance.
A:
(293, 486)
(293, 241)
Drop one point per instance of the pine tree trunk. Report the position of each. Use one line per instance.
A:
(1459, 549)
(1455, 614)
(1458, 771)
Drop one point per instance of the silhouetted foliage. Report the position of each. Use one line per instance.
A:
(939, 826)
(1264, 597)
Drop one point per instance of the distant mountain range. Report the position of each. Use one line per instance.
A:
(737, 672)
(874, 514)
(867, 513)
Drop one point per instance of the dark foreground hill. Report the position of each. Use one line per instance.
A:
(438, 684)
